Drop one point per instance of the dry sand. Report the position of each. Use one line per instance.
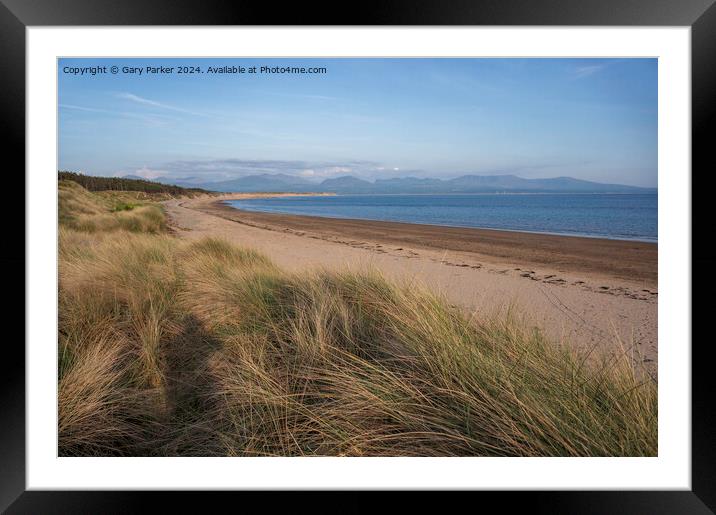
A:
(585, 291)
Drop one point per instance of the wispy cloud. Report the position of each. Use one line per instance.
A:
(224, 169)
(153, 103)
(83, 108)
(585, 71)
(153, 119)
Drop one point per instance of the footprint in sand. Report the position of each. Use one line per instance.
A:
(556, 281)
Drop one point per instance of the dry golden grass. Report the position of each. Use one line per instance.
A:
(175, 348)
(90, 212)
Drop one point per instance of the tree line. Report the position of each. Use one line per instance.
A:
(92, 183)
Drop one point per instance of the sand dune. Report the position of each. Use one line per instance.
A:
(587, 292)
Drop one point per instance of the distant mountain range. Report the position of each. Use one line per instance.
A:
(353, 185)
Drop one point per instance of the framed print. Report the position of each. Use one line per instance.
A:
(427, 248)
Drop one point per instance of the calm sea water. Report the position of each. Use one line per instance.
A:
(631, 217)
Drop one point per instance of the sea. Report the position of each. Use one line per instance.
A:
(613, 216)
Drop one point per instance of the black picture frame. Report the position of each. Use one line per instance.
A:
(700, 15)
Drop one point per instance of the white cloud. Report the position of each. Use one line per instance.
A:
(222, 169)
(334, 170)
(145, 101)
(148, 173)
(586, 71)
(152, 119)
(82, 108)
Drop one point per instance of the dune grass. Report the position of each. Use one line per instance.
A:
(204, 348)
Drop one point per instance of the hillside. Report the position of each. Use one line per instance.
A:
(407, 185)
(347, 184)
(265, 183)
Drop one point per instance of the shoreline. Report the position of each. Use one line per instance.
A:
(629, 260)
(547, 233)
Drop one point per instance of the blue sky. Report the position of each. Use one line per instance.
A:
(593, 119)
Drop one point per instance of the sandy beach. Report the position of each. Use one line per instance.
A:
(585, 291)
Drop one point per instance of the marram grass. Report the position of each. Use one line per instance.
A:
(204, 348)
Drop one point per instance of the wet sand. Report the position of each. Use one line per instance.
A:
(586, 291)
(594, 256)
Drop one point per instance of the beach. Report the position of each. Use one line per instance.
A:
(359, 257)
(580, 291)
